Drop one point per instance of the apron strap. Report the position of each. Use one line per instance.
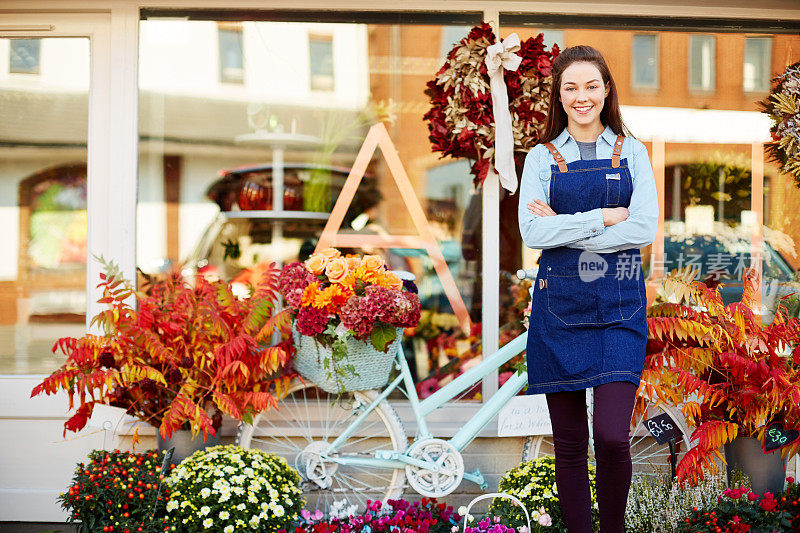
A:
(562, 165)
(617, 151)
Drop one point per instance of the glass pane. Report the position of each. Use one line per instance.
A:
(757, 63)
(702, 62)
(210, 154)
(43, 178)
(645, 65)
(231, 60)
(709, 210)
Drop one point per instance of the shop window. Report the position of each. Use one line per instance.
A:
(702, 58)
(24, 56)
(320, 49)
(757, 61)
(231, 53)
(644, 67)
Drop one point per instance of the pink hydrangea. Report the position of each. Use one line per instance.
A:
(398, 308)
(292, 281)
(358, 314)
(311, 321)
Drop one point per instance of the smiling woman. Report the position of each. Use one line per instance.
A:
(587, 189)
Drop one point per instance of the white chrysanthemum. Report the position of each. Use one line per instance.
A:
(172, 505)
(205, 493)
(228, 529)
(208, 522)
(204, 510)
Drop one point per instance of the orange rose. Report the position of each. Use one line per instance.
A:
(316, 264)
(373, 262)
(353, 262)
(336, 270)
(331, 253)
(393, 281)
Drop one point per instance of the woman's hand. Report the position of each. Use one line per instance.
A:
(538, 207)
(614, 215)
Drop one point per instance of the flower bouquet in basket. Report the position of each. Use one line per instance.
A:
(348, 314)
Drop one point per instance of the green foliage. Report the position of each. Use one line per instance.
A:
(117, 489)
(534, 483)
(382, 335)
(229, 488)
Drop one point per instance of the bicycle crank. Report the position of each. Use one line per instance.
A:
(448, 472)
(313, 467)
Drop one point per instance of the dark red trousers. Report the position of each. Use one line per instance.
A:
(613, 407)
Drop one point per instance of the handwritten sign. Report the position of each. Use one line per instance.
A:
(524, 415)
(663, 428)
(776, 437)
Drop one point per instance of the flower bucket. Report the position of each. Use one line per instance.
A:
(372, 367)
(496, 495)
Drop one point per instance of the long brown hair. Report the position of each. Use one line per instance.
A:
(557, 117)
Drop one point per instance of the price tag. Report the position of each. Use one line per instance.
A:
(662, 428)
(776, 437)
(167, 461)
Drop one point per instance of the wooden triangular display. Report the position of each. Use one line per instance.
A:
(379, 136)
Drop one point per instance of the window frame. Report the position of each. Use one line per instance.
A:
(767, 81)
(657, 54)
(701, 89)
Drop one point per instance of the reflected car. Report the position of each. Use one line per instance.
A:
(721, 259)
(248, 229)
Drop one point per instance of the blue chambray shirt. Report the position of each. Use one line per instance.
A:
(585, 230)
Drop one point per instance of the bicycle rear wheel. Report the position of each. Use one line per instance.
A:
(306, 420)
(647, 456)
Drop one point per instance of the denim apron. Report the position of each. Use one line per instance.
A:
(588, 320)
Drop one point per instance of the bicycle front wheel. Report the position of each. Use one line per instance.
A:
(307, 420)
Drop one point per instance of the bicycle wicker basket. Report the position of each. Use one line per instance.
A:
(372, 367)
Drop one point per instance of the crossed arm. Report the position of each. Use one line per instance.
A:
(599, 230)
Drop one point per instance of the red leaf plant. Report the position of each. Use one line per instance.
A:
(731, 374)
(177, 355)
(461, 120)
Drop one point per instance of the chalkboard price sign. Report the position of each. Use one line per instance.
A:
(776, 437)
(663, 428)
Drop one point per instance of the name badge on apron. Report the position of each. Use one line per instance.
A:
(612, 176)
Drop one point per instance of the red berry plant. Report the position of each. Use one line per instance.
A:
(177, 354)
(741, 510)
(117, 491)
(461, 120)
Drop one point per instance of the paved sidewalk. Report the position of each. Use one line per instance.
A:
(35, 527)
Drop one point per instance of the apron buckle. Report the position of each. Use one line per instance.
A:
(542, 283)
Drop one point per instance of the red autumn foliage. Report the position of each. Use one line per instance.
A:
(731, 374)
(177, 354)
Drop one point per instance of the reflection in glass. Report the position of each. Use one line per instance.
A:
(230, 177)
(43, 125)
(645, 61)
(702, 58)
(757, 63)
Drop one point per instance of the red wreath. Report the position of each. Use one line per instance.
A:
(461, 122)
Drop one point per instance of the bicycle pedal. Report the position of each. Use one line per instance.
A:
(477, 478)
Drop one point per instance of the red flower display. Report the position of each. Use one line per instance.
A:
(461, 121)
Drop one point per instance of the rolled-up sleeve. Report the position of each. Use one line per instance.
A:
(550, 231)
(639, 229)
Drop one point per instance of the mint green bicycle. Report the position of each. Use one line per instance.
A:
(354, 446)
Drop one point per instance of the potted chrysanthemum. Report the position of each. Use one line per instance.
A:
(348, 316)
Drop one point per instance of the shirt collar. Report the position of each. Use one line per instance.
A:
(608, 135)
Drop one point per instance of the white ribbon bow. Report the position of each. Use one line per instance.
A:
(501, 56)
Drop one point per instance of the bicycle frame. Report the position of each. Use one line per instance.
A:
(421, 408)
